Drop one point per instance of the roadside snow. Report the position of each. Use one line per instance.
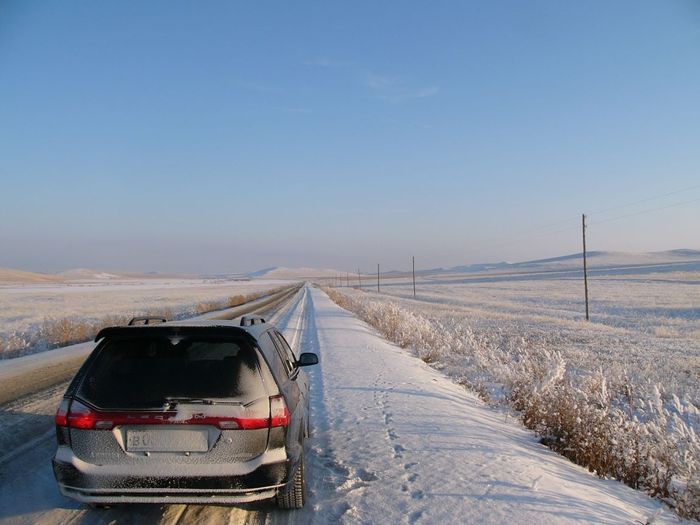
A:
(411, 446)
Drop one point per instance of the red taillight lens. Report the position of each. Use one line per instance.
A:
(81, 416)
(62, 413)
(76, 415)
(279, 413)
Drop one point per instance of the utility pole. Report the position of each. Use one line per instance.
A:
(414, 276)
(377, 277)
(359, 279)
(585, 268)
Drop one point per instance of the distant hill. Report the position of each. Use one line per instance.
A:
(595, 259)
(8, 275)
(281, 272)
(85, 274)
(263, 272)
(79, 274)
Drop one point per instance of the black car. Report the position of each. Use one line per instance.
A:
(186, 412)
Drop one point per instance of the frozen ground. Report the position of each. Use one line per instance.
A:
(393, 441)
(24, 308)
(647, 325)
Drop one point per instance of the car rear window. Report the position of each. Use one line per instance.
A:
(141, 372)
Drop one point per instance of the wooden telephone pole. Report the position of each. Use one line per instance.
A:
(414, 277)
(377, 277)
(585, 268)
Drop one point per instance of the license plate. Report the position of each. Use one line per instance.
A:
(167, 440)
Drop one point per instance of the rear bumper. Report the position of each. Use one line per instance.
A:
(240, 482)
(166, 497)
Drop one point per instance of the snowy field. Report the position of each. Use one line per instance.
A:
(619, 394)
(647, 325)
(27, 310)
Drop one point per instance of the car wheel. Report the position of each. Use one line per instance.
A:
(292, 496)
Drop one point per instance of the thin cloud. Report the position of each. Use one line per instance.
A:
(386, 87)
(327, 63)
(296, 110)
(379, 82)
(394, 90)
(258, 88)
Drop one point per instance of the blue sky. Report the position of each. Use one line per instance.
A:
(228, 136)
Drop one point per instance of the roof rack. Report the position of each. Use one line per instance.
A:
(250, 320)
(146, 320)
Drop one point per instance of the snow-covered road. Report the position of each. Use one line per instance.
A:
(393, 441)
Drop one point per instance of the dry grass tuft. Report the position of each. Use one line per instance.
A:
(237, 300)
(207, 306)
(62, 332)
(665, 331)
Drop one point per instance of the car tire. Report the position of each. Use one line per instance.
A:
(292, 496)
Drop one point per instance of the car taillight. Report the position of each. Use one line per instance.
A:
(62, 413)
(80, 416)
(279, 413)
(76, 415)
(255, 416)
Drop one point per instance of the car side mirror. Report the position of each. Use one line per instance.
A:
(307, 359)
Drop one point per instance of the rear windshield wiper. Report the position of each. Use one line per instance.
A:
(190, 400)
(174, 400)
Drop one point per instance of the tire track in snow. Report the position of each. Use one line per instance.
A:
(330, 482)
(327, 478)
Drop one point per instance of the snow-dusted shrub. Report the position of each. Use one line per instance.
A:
(236, 300)
(207, 306)
(616, 427)
(665, 331)
(61, 332)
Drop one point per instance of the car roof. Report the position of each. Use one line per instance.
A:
(173, 327)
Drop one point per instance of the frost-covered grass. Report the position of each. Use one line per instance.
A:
(37, 317)
(614, 395)
(647, 325)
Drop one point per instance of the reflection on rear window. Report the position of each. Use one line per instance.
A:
(142, 372)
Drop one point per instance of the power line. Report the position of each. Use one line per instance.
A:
(675, 192)
(650, 210)
(527, 234)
